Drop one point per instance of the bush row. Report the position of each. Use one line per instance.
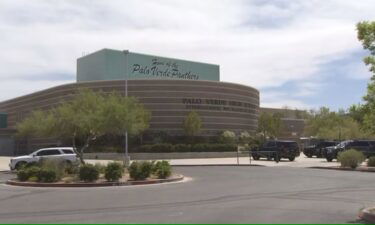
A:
(52, 170)
(45, 171)
(165, 148)
(140, 170)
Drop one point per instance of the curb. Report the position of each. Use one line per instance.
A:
(359, 169)
(192, 165)
(105, 184)
(366, 215)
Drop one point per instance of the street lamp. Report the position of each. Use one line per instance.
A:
(127, 157)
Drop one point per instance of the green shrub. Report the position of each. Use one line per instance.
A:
(72, 168)
(245, 138)
(33, 171)
(33, 179)
(351, 158)
(113, 171)
(22, 174)
(57, 165)
(164, 147)
(371, 162)
(100, 167)
(32, 164)
(182, 148)
(88, 173)
(201, 148)
(27, 172)
(228, 137)
(204, 147)
(140, 170)
(47, 175)
(145, 148)
(162, 169)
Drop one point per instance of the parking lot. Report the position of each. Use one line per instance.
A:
(215, 194)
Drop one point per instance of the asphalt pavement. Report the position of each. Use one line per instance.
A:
(213, 194)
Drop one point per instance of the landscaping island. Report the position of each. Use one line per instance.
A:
(352, 160)
(53, 173)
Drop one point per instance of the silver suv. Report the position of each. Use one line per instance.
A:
(66, 154)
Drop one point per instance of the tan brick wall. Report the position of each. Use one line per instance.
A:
(168, 100)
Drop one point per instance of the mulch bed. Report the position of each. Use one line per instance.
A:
(173, 178)
(368, 214)
(360, 169)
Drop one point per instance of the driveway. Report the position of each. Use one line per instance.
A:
(216, 194)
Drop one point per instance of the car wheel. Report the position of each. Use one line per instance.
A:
(19, 165)
(329, 159)
(292, 158)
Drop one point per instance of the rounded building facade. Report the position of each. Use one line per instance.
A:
(221, 105)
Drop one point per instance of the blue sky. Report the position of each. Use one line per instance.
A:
(299, 54)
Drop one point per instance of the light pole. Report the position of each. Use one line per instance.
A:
(127, 157)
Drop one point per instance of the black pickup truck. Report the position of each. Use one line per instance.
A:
(367, 147)
(276, 150)
(316, 150)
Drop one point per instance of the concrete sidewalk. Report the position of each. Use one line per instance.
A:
(4, 163)
(301, 162)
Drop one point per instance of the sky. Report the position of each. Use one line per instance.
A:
(298, 53)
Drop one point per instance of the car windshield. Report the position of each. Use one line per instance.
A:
(287, 144)
(343, 144)
(329, 143)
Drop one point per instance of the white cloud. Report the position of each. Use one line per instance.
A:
(357, 70)
(258, 43)
(277, 99)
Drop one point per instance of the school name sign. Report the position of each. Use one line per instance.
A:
(108, 64)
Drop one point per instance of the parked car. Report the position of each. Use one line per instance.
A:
(276, 150)
(367, 147)
(66, 154)
(316, 150)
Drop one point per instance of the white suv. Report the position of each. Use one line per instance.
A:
(66, 154)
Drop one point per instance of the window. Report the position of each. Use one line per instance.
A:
(67, 151)
(360, 143)
(287, 144)
(49, 152)
(269, 144)
(327, 144)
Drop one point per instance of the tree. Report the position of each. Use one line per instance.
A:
(245, 138)
(228, 137)
(192, 124)
(86, 117)
(357, 112)
(269, 125)
(332, 125)
(366, 34)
